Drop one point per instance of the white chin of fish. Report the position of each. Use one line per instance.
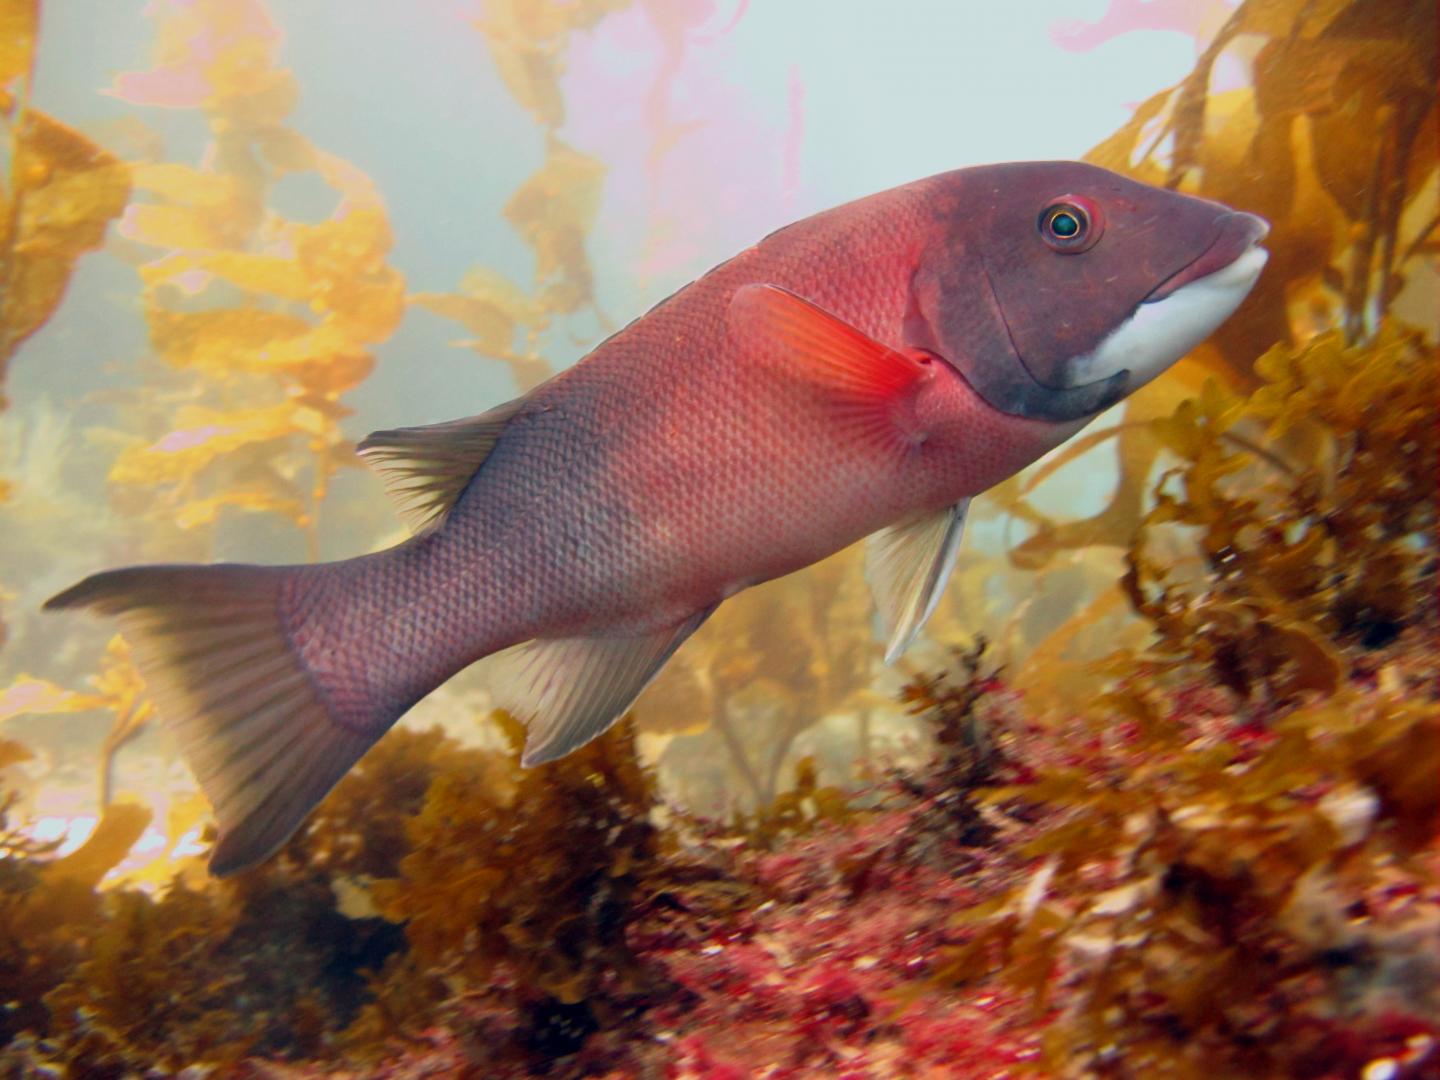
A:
(1160, 333)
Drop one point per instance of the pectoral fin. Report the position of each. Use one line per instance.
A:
(569, 690)
(907, 566)
(426, 469)
(871, 386)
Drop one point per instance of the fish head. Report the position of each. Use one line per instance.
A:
(1057, 288)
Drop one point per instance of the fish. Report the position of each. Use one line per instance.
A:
(863, 372)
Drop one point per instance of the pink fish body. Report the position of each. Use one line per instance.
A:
(859, 373)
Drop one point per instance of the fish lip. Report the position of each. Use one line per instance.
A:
(1236, 233)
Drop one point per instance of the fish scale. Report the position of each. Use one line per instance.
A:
(863, 372)
(674, 456)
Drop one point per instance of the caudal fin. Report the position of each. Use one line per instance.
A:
(250, 719)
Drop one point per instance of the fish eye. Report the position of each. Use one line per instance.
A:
(1071, 224)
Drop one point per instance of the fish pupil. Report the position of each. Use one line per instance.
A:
(1065, 224)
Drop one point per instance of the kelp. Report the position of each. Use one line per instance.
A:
(361, 831)
(262, 323)
(61, 193)
(118, 688)
(769, 666)
(1322, 539)
(538, 883)
(1220, 885)
(49, 907)
(796, 811)
(1333, 145)
(267, 321)
(263, 965)
(275, 962)
(13, 842)
(553, 210)
(527, 43)
(1206, 897)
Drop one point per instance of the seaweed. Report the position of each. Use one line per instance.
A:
(969, 755)
(276, 962)
(1204, 898)
(61, 193)
(282, 960)
(49, 907)
(796, 811)
(264, 322)
(774, 662)
(265, 966)
(1238, 886)
(553, 210)
(118, 689)
(1326, 540)
(361, 831)
(536, 882)
(1332, 143)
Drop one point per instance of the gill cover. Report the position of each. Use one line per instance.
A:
(1036, 286)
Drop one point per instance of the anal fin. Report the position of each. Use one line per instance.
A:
(569, 690)
(907, 566)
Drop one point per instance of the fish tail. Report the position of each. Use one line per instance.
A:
(254, 722)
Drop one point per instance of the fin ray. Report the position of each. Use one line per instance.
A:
(907, 566)
(569, 690)
(248, 715)
(426, 469)
(871, 386)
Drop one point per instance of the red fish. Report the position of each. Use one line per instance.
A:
(862, 372)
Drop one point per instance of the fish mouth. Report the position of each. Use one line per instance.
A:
(1236, 234)
(1197, 298)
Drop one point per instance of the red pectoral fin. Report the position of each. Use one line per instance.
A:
(871, 384)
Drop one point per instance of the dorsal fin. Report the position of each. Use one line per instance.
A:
(425, 469)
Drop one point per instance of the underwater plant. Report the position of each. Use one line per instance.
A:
(1332, 143)
(265, 322)
(49, 907)
(276, 963)
(767, 670)
(1221, 885)
(535, 881)
(60, 194)
(117, 689)
(553, 210)
(1325, 538)
(1207, 898)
